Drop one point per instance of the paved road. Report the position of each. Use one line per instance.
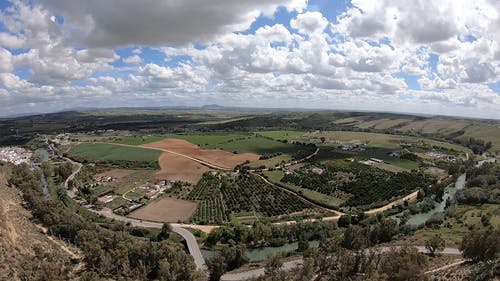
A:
(237, 276)
(193, 248)
(72, 176)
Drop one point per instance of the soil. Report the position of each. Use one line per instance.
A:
(165, 209)
(178, 168)
(214, 156)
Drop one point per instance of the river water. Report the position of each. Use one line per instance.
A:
(449, 193)
(45, 188)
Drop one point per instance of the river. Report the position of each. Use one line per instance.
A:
(45, 188)
(449, 193)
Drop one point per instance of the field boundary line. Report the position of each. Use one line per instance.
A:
(202, 162)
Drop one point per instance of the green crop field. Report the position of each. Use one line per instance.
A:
(282, 135)
(239, 142)
(383, 154)
(257, 145)
(116, 155)
(271, 162)
(205, 140)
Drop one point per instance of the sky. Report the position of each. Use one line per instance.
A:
(428, 57)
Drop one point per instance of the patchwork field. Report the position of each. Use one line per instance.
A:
(115, 154)
(214, 156)
(382, 124)
(378, 140)
(282, 135)
(178, 168)
(205, 140)
(165, 210)
(433, 126)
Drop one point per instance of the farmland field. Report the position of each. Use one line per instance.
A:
(383, 154)
(258, 145)
(383, 124)
(220, 198)
(237, 142)
(177, 168)
(282, 135)
(271, 162)
(109, 153)
(165, 210)
(444, 126)
(213, 156)
(378, 140)
(312, 195)
(205, 140)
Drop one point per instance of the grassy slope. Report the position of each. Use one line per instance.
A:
(379, 140)
(468, 216)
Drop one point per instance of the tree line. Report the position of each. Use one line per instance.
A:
(108, 252)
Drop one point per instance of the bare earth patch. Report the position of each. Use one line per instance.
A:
(165, 210)
(214, 156)
(178, 168)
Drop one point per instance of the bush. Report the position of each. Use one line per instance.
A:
(481, 245)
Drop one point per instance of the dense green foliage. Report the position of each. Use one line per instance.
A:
(110, 253)
(483, 185)
(365, 184)
(333, 262)
(116, 155)
(481, 245)
(221, 197)
(263, 234)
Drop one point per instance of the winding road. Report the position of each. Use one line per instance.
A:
(190, 239)
(192, 245)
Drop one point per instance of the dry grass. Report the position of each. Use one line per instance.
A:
(166, 210)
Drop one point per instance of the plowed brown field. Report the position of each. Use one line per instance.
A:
(214, 156)
(165, 210)
(178, 168)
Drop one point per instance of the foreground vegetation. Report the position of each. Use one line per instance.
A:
(108, 252)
